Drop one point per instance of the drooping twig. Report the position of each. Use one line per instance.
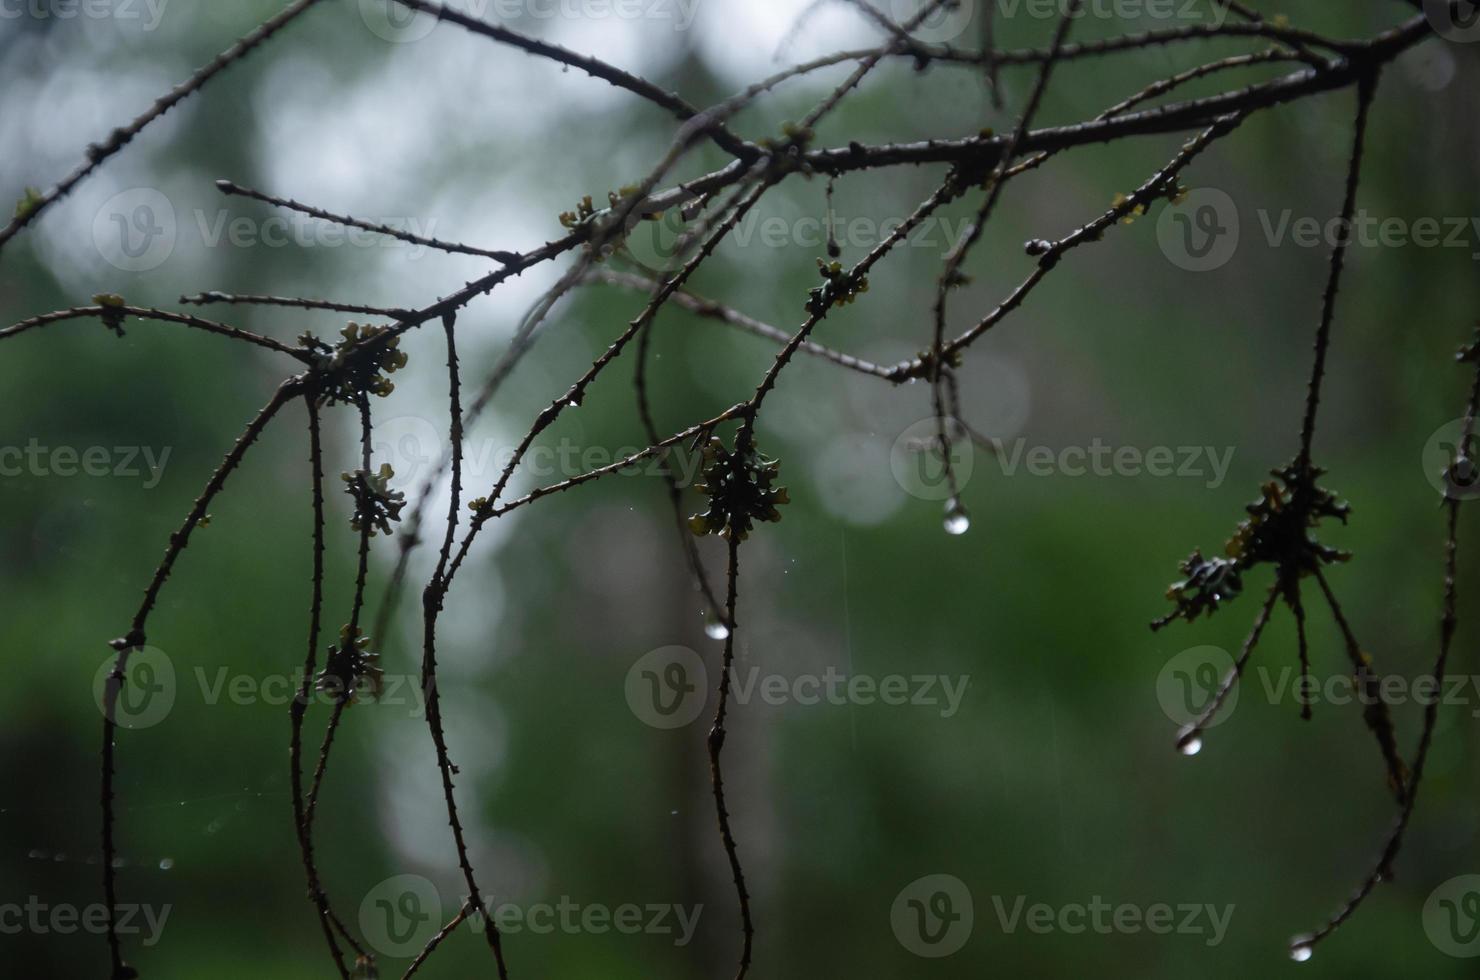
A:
(433, 598)
(716, 744)
(299, 706)
(675, 492)
(950, 276)
(137, 637)
(1302, 946)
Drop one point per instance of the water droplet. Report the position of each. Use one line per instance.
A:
(957, 520)
(1301, 950)
(1190, 746)
(716, 630)
(166, 864)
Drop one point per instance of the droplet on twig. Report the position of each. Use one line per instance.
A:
(957, 520)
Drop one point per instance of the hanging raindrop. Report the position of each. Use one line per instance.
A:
(957, 520)
(1190, 746)
(716, 630)
(1302, 950)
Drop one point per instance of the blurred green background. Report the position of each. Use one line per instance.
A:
(1056, 779)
